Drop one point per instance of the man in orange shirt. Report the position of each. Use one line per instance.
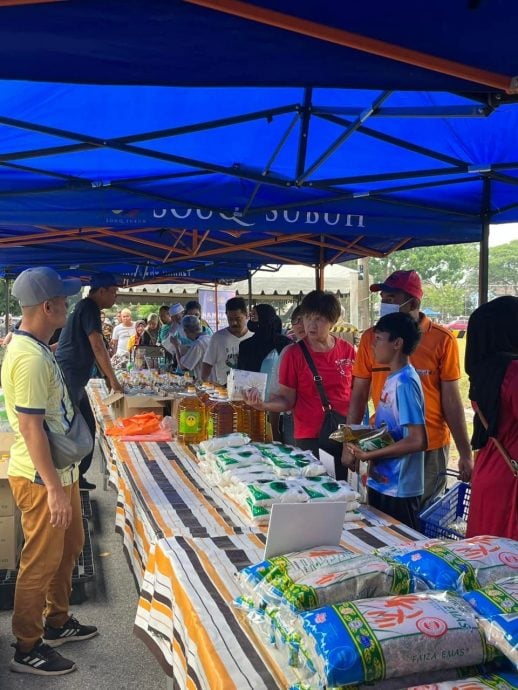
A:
(436, 360)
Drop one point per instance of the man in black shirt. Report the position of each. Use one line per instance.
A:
(80, 345)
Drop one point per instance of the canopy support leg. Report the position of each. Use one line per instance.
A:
(483, 273)
(250, 293)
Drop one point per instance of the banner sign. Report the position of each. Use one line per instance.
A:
(213, 306)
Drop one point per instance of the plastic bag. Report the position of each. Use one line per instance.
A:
(502, 681)
(502, 632)
(372, 639)
(463, 565)
(496, 598)
(146, 423)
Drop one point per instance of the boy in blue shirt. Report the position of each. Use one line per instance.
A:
(395, 482)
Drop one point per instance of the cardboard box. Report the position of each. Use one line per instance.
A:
(11, 541)
(6, 441)
(7, 505)
(128, 405)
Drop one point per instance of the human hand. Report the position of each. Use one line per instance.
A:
(253, 398)
(59, 507)
(465, 468)
(348, 457)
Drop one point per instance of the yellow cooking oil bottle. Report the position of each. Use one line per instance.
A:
(191, 418)
(243, 417)
(221, 416)
(258, 426)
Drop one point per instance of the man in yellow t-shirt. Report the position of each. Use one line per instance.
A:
(49, 501)
(436, 360)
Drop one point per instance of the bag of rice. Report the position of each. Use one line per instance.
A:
(498, 681)
(231, 440)
(327, 489)
(268, 493)
(499, 597)
(463, 565)
(372, 639)
(502, 632)
(332, 579)
(292, 565)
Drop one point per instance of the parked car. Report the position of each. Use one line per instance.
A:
(458, 325)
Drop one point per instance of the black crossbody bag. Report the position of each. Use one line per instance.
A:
(332, 418)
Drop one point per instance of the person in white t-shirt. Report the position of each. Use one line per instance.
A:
(122, 333)
(223, 350)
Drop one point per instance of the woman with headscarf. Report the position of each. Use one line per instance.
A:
(136, 339)
(492, 366)
(150, 335)
(267, 339)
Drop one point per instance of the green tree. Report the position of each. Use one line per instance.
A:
(439, 265)
(503, 264)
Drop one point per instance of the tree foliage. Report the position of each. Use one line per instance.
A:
(503, 264)
(440, 265)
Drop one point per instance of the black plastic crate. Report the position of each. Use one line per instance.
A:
(82, 573)
(86, 506)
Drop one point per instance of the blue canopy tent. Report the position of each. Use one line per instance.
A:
(153, 178)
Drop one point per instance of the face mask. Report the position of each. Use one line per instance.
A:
(253, 326)
(387, 308)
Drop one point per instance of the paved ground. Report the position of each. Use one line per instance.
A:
(115, 660)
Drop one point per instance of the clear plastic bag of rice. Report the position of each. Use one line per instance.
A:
(289, 567)
(366, 437)
(268, 493)
(498, 597)
(496, 681)
(372, 639)
(325, 580)
(463, 565)
(230, 441)
(502, 632)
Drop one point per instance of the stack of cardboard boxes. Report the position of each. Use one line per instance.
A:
(10, 528)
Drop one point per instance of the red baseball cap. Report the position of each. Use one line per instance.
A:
(404, 281)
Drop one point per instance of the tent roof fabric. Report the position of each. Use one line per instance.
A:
(177, 43)
(160, 138)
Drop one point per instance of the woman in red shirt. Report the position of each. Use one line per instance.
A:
(333, 359)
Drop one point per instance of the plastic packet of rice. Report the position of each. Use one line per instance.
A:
(363, 435)
(502, 632)
(371, 640)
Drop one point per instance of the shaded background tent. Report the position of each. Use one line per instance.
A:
(135, 167)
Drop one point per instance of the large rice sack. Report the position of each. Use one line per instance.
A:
(463, 565)
(268, 493)
(373, 639)
(290, 567)
(498, 681)
(499, 597)
(502, 632)
(354, 577)
(229, 441)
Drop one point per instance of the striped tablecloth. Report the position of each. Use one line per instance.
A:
(186, 540)
(185, 615)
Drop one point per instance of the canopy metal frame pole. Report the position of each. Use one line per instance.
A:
(483, 273)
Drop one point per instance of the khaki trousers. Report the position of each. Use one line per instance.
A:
(48, 558)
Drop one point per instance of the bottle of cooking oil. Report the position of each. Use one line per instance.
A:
(243, 417)
(258, 426)
(221, 416)
(191, 418)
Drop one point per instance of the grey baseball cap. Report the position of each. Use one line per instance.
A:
(35, 285)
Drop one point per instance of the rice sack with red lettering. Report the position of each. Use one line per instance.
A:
(463, 565)
(372, 639)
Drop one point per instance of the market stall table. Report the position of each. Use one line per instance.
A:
(186, 540)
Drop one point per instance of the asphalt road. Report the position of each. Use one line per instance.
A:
(115, 659)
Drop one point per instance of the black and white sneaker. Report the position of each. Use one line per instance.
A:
(72, 631)
(42, 660)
